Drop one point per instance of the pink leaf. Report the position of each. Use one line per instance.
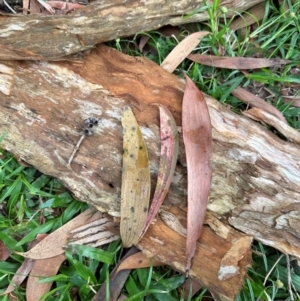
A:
(168, 158)
(197, 137)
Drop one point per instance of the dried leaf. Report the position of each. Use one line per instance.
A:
(137, 261)
(65, 6)
(22, 272)
(42, 268)
(35, 7)
(53, 244)
(254, 101)
(143, 41)
(168, 159)
(235, 62)
(197, 137)
(182, 50)
(25, 6)
(135, 194)
(251, 16)
(95, 234)
(116, 282)
(4, 251)
(229, 266)
(20, 276)
(46, 6)
(282, 127)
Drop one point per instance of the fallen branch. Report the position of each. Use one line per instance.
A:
(40, 37)
(255, 175)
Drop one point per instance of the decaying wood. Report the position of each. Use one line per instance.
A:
(255, 175)
(37, 37)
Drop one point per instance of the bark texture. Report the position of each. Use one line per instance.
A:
(40, 37)
(255, 175)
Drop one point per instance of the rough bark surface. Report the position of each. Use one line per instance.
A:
(255, 175)
(37, 37)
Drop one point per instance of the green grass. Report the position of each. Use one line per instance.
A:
(32, 203)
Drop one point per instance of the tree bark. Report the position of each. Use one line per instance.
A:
(41, 37)
(255, 175)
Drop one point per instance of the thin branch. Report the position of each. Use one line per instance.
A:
(75, 149)
(267, 276)
(288, 265)
(13, 11)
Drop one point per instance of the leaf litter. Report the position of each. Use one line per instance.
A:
(197, 137)
(136, 183)
(182, 50)
(53, 244)
(168, 158)
(235, 62)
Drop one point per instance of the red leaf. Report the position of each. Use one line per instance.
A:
(235, 62)
(197, 137)
(254, 101)
(137, 261)
(168, 159)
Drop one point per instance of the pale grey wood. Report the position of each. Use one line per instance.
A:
(37, 37)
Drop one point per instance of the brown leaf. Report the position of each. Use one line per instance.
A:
(53, 244)
(63, 5)
(197, 137)
(143, 41)
(182, 50)
(168, 158)
(95, 234)
(137, 261)
(251, 16)
(22, 272)
(254, 101)
(135, 192)
(116, 281)
(35, 7)
(235, 62)
(4, 251)
(20, 276)
(229, 265)
(42, 268)
(46, 6)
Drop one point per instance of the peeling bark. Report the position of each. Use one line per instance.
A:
(37, 37)
(255, 175)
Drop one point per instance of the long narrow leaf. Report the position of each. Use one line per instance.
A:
(197, 137)
(182, 50)
(135, 192)
(168, 158)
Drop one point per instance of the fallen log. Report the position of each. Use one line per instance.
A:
(42, 37)
(255, 175)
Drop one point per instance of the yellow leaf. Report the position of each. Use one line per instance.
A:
(135, 194)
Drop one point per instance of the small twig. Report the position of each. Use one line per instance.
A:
(89, 123)
(295, 291)
(13, 11)
(267, 276)
(289, 277)
(75, 149)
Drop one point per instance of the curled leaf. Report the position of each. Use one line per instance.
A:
(168, 159)
(135, 192)
(197, 137)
